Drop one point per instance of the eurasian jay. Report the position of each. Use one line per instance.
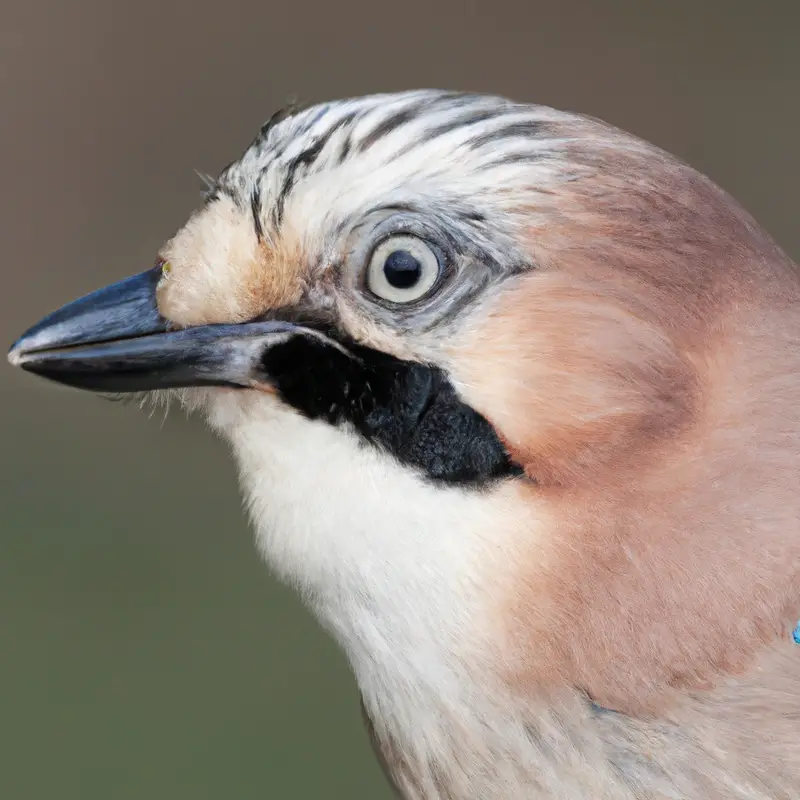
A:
(515, 402)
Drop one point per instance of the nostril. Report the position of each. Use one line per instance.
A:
(166, 269)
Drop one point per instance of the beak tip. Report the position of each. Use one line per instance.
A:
(16, 355)
(22, 357)
(26, 346)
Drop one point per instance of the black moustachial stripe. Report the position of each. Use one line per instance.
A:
(409, 409)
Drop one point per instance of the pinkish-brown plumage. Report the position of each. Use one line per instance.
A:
(606, 610)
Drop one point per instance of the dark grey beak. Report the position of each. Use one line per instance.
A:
(115, 340)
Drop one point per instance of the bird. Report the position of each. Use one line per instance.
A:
(513, 399)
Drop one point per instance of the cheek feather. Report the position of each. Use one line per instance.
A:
(571, 380)
(673, 514)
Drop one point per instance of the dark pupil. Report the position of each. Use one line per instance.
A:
(401, 269)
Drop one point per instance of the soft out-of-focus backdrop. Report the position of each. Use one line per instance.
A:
(144, 650)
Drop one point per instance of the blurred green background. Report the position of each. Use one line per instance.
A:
(145, 652)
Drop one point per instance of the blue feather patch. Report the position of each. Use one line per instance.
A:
(796, 634)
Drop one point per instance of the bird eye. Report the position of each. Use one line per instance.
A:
(402, 269)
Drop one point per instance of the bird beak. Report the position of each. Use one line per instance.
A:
(115, 340)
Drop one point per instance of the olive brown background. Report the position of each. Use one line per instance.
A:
(145, 652)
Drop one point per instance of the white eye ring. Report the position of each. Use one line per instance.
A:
(402, 269)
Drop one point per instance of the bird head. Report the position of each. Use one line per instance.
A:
(506, 388)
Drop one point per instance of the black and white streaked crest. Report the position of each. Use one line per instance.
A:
(466, 156)
(472, 175)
